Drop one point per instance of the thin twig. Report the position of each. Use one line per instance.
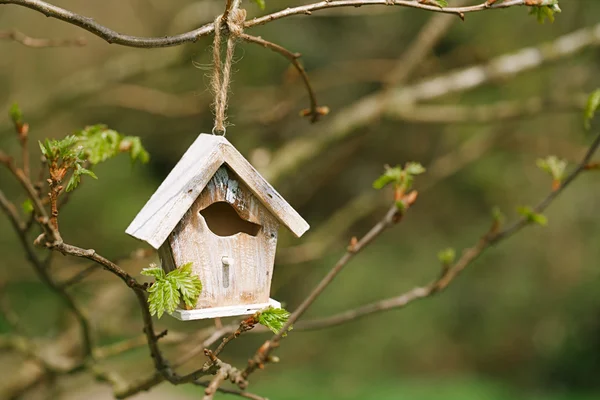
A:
(491, 238)
(392, 217)
(314, 111)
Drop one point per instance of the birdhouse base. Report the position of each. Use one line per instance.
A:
(229, 311)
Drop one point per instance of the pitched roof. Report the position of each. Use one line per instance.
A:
(185, 182)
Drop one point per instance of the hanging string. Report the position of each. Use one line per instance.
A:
(221, 76)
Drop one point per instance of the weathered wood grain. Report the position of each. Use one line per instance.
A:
(236, 269)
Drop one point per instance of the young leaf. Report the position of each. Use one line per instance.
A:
(154, 271)
(27, 206)
(554, 166)
(591, 107)
(414, 168)
(188, 284)
(390, 175)
(15, 114)
(532, 216)
(546, 9)
(137, 152)
(169, 289)
(274, 319)
(447, 256)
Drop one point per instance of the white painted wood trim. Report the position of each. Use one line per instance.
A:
(228, 311)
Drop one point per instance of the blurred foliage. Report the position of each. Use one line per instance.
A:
(522, 323)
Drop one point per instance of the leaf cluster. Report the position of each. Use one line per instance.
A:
(168, 290)
(91, 145)
(274, 319)
(545, 10)
(554, 166)
(401, 178)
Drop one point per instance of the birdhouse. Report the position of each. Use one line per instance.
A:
(217, 212)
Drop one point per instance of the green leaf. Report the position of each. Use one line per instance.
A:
(274, 319)
(15, 114)
(442, 3)
(27, 206)
(532, 216)
(591, 107)
(99, 143)
(447, 256)
(414, 168)
(390, 175)
(260, 3)
(137, 152)
(188, 284)
(169, 289)
(154, 271)
(545, 10)
(554, 166)
(401, 177)
(76, 177)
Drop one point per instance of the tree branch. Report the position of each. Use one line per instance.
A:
(112, 36)
(108, 34)
(491, 238)
(391, 218)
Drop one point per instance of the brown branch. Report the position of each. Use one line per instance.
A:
(111, 36)
(491, 238)
(392, 217)
(25, 40)
(314, 112)
(328, 4)
(137, 254)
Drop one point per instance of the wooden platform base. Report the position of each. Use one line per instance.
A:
(229, 311)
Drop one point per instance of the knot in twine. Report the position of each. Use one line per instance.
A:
(222, 69)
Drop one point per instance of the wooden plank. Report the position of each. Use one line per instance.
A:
(217, 312)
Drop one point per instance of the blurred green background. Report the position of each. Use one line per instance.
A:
(523, 322)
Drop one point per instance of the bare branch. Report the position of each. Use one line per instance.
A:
(369, 108)
(108, 34)
(491, 238)
(25, 40)
(392, 217)
(111, 36)
(314, 112)
(322, 5)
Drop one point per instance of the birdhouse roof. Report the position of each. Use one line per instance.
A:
(185, 182)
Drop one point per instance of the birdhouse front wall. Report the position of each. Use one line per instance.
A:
(230, 238)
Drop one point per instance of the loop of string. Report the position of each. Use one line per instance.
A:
(222, 69)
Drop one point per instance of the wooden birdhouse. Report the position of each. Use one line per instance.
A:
(216, 211)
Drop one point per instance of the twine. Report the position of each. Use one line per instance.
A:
(222, 69)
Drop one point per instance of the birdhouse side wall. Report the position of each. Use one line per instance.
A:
(235, 269)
